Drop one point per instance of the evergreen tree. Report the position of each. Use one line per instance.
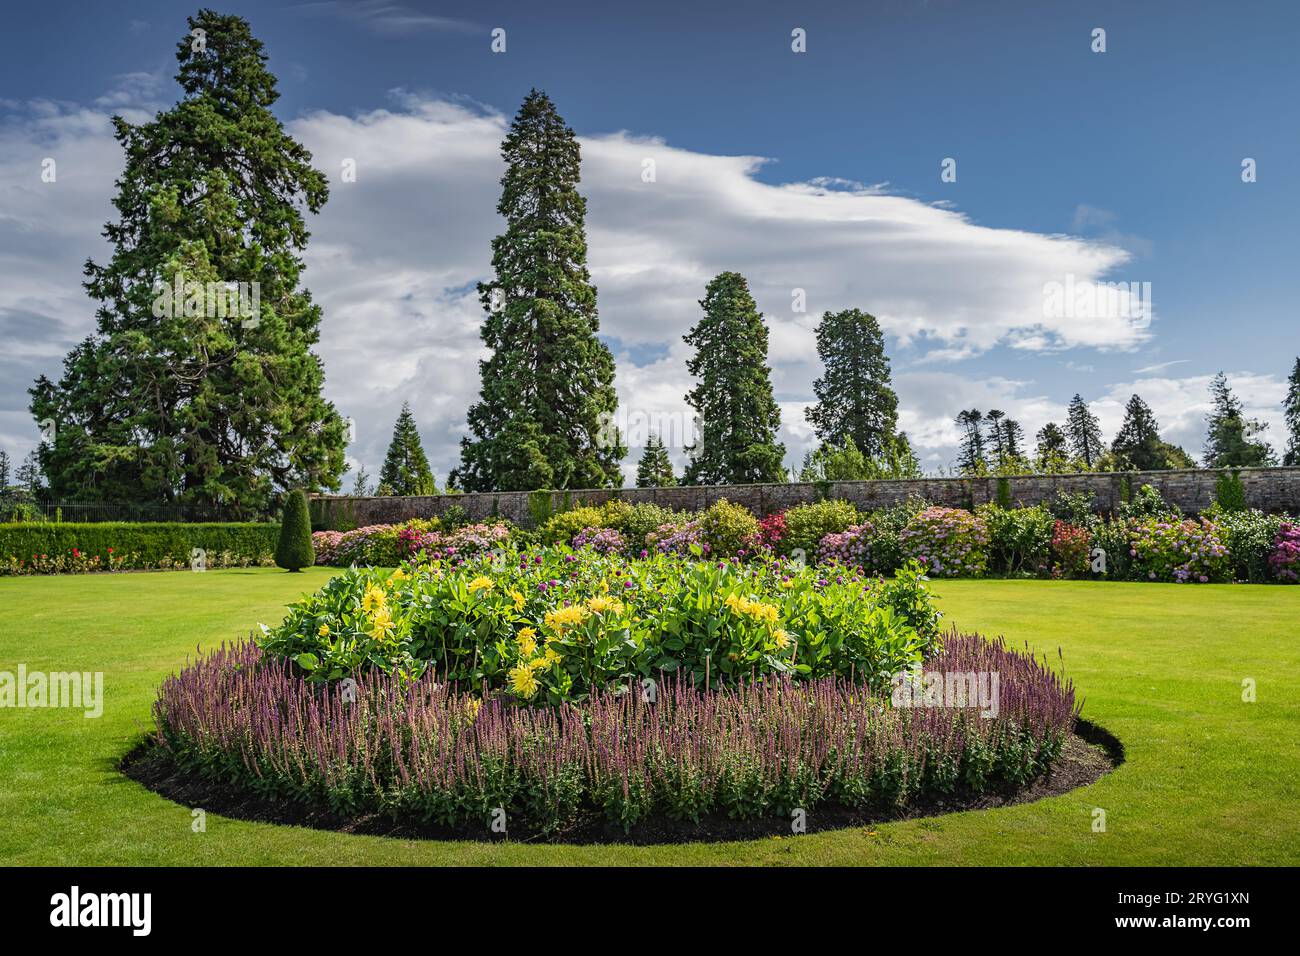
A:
(1137, 446)
(547, 395)
(4, 473)
(655, 470)
(213, 396)
(29, 477)
(994, 437)
(1012, 437)
(1232, 442)
(1084, 432)
(294, 551)
(1292, 415)
(970, 459)
(1053, 452)
(361, 483)
(854, 397)
(739, 419)
(406, 469)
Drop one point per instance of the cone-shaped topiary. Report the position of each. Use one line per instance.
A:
(294, 551)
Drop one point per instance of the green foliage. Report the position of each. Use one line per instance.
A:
(1004, 492)
(454, 516)
(640, 520)
(1084, 432)
(1075, 507)
(1232, 440)
(547, 387)
(1137, 446)
(51, 547)
(1020, 539)
(655, 469)
(949, 542)
(1249, 536)
(1168, 549)
(406, 469)
(733, 393)
(1291, 415)
(212, 397)
(1229, 493)
(293, 551)
(856, 404)
(806, 525)
(1147, 502)
(728, 528)
(561, 528)
(1052, 455)
(540, 506)
(607, 621)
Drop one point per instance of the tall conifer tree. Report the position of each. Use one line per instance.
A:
(1084, 432)
(1232, 440)
(655, 470)
(207, 397)
(855, 399)
(1291, 414)
(547, 399)
(739, 419)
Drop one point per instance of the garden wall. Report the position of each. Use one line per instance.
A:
(1274, 490)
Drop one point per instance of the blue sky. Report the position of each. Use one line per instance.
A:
(1119, 166)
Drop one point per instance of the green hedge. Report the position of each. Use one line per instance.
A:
(53, 548)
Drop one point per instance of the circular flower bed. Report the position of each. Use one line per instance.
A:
(431, 751)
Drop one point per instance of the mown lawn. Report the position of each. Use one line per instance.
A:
(1209, 779)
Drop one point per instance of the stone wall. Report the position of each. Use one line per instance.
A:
(1269, 489)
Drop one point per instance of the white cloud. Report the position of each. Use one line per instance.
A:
(394, 257)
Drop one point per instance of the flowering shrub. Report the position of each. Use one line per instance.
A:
(948, 541)
(851, 547)
(1020, 539)
(771, 530)
(806, 525)
(600, 540)
(680, 538)
(429, 750)
(554, 624)
(1072, 546)
(728, 529)
(1166, 549)
(1250, 538)
(387, 545)
(1284, 562)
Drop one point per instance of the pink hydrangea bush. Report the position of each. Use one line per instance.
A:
(1188, 551)
(1284, 562)
(850, 547)
(600, 540)
(949, 542)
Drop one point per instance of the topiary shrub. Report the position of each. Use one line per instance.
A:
(294, 550)
(806, 525)
(1229, 492)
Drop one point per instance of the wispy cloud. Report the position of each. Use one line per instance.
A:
(1160, 366)
(387, 18)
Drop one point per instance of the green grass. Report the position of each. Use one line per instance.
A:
(1208, 780)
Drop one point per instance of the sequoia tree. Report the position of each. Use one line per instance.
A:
(199, 383)
(547, 399)
(854, 397)
(739, 419)
(406, 469)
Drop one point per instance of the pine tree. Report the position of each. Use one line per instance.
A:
(655, 470)
(4, 473)
(1053, 453)
(994, 438)
(406, 469)
(361, 483)
(854, 397)
(1137, 446)
(1084, 432)
(214, 396)
(547, 395)
(739, 419)
(1292, 415)
(1232, 442)
(970, 459)
(1012, 436)
(294, 551)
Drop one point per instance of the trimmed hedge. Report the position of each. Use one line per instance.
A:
(54, 548)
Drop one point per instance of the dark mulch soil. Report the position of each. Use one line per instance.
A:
(1089, 754)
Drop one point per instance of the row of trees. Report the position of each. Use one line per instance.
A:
(991, 443)
(179, 399)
